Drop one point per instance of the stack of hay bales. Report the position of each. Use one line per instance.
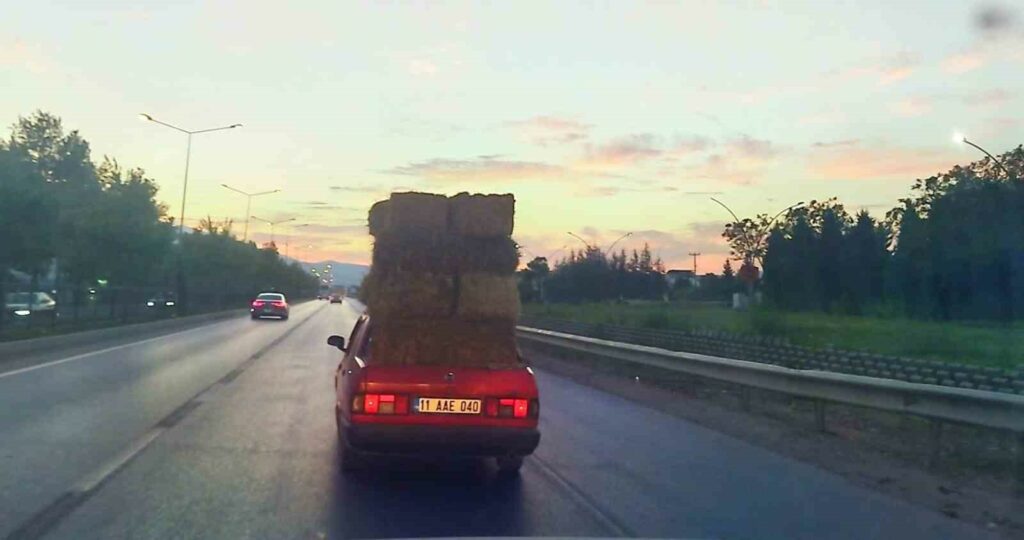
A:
(442, 288)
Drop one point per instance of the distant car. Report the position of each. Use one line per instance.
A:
(161, 302)
(22, 305)
(321, 297)
(269, 305)
(431, 410)
(336, 298)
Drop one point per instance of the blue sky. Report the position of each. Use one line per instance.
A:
(602, 118)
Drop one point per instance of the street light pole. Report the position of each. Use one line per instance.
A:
(181, 293)
(585, 243)
(248, 205)
(960, 138)
(609, 250)
(188, 157)
(757, 240)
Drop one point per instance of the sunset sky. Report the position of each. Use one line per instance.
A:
(601, 117)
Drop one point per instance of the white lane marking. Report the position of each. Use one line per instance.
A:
(88, 483)
(93, 353)
(101, 351)
(604, 517)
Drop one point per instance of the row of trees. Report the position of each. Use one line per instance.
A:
(953, 250)
(62, 213)
(591, 275)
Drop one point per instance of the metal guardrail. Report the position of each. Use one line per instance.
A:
(976, 407)
(994, 410)
(777, 351)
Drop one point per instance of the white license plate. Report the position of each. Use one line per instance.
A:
(449, 406)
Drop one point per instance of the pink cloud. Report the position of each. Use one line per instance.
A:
(747, 146)
(551, 130)
(856, 162)
(964, 62)
(912, 106)
(989, 97)
(19, 53)
(885, 70)
(492, 168)
(623, 151)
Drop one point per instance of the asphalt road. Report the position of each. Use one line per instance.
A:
(226, 431)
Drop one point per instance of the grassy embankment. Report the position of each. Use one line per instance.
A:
(987, 344)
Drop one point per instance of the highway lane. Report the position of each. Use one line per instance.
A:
(59, 422)
(254, 456)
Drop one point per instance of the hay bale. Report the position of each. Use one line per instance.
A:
(482, 216)
(380, 218)
(487, 296)
(499, 255)
(409, 294)
(414, 252)
(444, 342)
(423, 212)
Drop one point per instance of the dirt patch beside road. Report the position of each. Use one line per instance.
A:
(971, 478)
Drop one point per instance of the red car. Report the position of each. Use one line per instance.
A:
(431, 410)
(269, 305)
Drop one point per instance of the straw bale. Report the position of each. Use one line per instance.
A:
(487, 296)
(498, 255)
(447, 342)
(414, 252)
(409, 295)
(482, 216)
(422, 212)
(380, 218)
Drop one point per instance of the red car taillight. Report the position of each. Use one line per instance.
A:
(257, 303)
(512, 407)
(278, 304)
(380, 404)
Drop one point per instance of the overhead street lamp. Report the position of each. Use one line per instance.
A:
(272, 225)
(576, 236)
(182, 296)
(961, 139)
(754, 242)
(188, 155)
(248, 205)
(621, 238)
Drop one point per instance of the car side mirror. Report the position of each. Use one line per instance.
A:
(336, 341)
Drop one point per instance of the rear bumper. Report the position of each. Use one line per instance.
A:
(268, 313)
(441, 440)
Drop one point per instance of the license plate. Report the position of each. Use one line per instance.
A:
(449, 406)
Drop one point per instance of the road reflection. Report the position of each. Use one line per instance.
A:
(398, 498)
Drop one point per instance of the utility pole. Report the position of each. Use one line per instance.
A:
(694, 254)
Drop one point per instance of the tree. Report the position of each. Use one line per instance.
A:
(829, 252)
(531, 280)
(26, 222)
(63, 161)
(864, 259)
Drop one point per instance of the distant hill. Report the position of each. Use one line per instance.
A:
(344, 274)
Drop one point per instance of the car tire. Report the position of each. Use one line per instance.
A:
(509, 466)
(254, 317)
(285, 318)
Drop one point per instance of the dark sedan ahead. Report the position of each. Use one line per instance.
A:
(269, 305)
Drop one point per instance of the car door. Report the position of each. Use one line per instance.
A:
(346, 379)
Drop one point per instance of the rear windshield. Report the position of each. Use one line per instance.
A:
(270, 296)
